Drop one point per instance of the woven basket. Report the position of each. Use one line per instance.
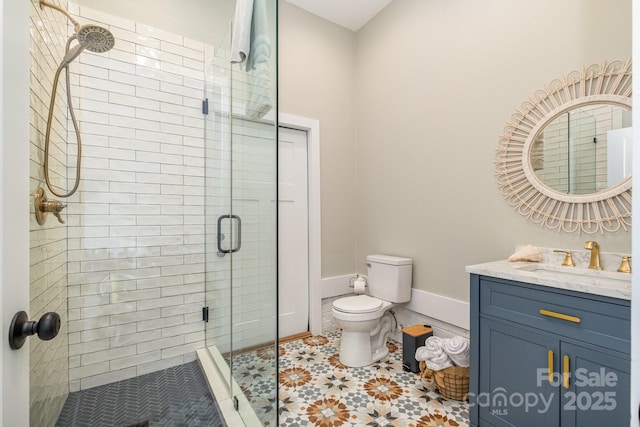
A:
(452, 382)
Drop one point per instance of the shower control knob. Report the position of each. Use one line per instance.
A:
(57, 215)
(55, 207)
(43, 206)
(21, 328)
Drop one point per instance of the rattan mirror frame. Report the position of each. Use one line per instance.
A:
(606, 211)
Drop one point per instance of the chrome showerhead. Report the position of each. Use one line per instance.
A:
(95, 38)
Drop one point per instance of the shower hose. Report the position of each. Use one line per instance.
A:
(56, 78)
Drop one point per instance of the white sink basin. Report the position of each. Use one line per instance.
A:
(579, 279)
(555, 270)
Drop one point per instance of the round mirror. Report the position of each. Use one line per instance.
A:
(564, 158)
(584, 150)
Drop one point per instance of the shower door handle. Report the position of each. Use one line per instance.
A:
(220, 249)
(219, 238)
(239, 221)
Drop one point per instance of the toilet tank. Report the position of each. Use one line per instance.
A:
(389, 277)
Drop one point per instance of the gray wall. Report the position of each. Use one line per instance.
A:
(316, 80)
(410, 110)
(436, 82)
(407, 158)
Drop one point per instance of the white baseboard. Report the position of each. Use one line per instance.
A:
(327, 288)
(445, 309)
(338, 285)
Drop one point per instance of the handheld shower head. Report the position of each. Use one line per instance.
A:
(91, 37)
(95, 38)
(71, 54)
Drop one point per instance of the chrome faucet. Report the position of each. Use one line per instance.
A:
(594, 262)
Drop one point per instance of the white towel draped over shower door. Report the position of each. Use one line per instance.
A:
(259, 102)
(241, 32)
(251, 47)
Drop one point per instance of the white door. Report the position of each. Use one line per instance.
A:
(293, 233)
(14, 217)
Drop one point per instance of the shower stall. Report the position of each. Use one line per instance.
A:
(167, 252)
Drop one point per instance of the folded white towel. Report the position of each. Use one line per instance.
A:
(241, 35)
(457, 348)
(251, 48)
(259, 97)
(433, 354)
(260, 43)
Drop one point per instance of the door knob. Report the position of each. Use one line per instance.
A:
(21, 328)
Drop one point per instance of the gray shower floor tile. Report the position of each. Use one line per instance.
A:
(173, 397)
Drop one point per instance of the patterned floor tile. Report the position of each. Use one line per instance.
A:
(315, 389)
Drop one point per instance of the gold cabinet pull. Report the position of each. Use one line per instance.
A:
(550, 365)
(565, 372)
(560, 316)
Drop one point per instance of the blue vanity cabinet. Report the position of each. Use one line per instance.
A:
(597, 394)
(525, 338)
(515, 357)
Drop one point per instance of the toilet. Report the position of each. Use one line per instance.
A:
(365, 320)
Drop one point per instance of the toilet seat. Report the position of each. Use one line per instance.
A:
(357, 304)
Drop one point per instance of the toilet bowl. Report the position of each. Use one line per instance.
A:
(366, 320)
(366, 324)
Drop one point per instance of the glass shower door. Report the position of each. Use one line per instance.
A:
(254, 181)
(241, 255)
(253, 272)
(217, 206)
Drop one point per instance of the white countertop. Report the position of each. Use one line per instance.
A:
(604, 283)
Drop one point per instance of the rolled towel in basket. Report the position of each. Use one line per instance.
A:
(433, 349)
(433, 354)
(457, 348)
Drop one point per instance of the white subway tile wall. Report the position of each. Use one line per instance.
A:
(127, 272)
(406, 317)
(136, 246)
(252, 157)
(573, 162)
(49, 373)
(328, 322)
